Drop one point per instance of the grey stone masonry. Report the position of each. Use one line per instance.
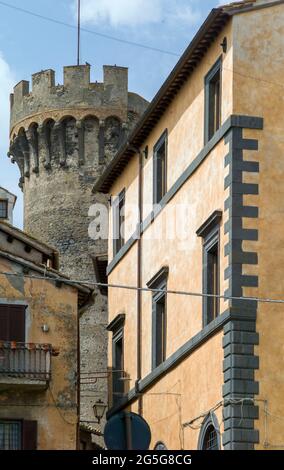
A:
(240, 337)
(62, 137)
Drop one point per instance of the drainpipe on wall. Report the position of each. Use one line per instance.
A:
(139, 277)
(139, 282)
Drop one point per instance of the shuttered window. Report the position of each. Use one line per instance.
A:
(118, 222)
(213, 101)
(160, 169)
(12, 323)
(18, 435)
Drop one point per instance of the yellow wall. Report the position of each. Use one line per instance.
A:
(202, 194)
(258, 90)
(252, 84)
(54, 408)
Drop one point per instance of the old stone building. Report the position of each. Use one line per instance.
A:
(39, 318)
(62, 138)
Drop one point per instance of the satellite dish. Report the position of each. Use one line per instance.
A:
(127, 431)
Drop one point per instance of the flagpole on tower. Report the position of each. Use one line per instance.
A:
(79, 31)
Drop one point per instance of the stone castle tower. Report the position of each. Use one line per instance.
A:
(62, 138)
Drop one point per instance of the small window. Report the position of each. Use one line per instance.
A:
(209, 436)
(210, 440)
(118, 222)
(213, 101)
(3, 209)
(10, 435)
(159, 317)
(12, 322)
(160, 168)
(211, 267)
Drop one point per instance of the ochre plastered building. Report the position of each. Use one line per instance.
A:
(204, 373)
(39, 346)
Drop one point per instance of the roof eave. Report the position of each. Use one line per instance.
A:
(184, 67)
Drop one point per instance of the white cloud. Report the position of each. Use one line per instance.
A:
(133, 13)
(7, 80)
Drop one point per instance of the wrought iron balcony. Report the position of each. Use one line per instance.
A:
(24, 364)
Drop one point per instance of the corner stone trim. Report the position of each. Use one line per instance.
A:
(240, 334)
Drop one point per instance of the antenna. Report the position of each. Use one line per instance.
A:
(79, 31)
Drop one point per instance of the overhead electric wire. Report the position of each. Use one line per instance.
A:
(90, 31)
(86, 282)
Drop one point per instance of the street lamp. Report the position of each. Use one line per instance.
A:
(99, 410)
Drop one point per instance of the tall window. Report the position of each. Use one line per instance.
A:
(209, 231)
(213, 101)
(118, 222)
(3, 209)
(117, 329)
(160, 168)
(159, 317)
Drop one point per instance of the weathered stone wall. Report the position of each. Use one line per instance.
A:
(62, 137)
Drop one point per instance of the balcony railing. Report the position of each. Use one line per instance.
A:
(26, 361)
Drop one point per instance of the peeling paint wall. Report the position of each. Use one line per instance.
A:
(55, 408)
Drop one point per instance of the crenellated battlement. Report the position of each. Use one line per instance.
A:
(77, 92)
(79, 124)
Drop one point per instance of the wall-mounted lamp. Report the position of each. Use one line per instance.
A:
(99, 410)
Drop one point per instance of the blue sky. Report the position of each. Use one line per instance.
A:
(29, 44)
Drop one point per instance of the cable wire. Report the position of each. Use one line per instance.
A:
(90, 31)
(86, 282)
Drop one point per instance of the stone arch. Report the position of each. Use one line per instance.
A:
(112, 136)
(70, 135)
(23, 146)
(47, 142)
(33, 141)
(91, 138)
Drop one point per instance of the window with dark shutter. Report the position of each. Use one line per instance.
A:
(160, 169)
(117, 328)
(118, 222)
(12, 323)
(159, 316)
(29, 435)
(210, 232)
(213, 101)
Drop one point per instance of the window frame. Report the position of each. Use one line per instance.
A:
(20, 424)
(209, 421)
(163, 140)
(159, 281)
(118, 220)
(29, 433)
(209, 129)
(210, 233)
(6, 202)
(117, 329)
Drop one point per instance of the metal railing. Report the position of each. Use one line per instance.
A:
(25, 360)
